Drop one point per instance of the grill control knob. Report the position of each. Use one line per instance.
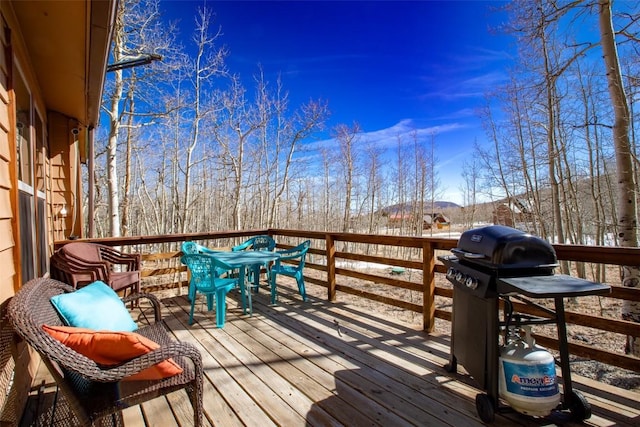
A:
(471, 283)
(451, 273)
(460, 277)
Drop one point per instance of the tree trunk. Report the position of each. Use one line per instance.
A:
(627, 219)
(126, 197)
(114, 128)
(347, 139)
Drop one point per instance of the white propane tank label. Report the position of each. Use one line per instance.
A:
(530, 380)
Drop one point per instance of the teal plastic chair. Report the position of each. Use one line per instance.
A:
(189, 248)
(292, 270)
(205, 279)
(257, 243)
(194, 248)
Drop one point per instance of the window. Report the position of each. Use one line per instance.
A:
(41, 191)
(31, 165)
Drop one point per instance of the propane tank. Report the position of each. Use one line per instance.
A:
(528, 380)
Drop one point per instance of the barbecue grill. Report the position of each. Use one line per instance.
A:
(498, 263)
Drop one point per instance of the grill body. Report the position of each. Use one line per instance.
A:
(497, 263)
(474, 337)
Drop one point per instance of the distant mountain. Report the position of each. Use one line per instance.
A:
(446, 205)
(437, 206)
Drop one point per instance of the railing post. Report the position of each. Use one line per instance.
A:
(428, 286)
(331, 268)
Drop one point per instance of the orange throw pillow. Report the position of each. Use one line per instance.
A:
(112, 348)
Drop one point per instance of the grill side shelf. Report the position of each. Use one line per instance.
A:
(558, 285)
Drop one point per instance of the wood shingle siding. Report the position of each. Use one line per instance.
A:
(7, 166)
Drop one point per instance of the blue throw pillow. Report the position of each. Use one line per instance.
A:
(95, 306)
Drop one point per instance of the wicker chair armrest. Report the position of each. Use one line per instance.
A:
(93, 371)
(155, 303)
(65, 357)
(175, 349)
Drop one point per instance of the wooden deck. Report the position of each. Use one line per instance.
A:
(327, 364)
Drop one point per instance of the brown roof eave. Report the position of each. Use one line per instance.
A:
(101, 24)
(63, 48)
(101, 19)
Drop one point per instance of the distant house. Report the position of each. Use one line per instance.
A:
(512, 212)
(396, 219)
(433, 220)
(437, 221)
(53, 58)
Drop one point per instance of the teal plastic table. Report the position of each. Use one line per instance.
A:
(243, 260)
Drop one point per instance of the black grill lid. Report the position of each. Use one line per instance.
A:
(498, 246)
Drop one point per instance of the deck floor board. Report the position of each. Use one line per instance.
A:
(328, 364)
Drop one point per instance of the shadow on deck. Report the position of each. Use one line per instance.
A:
(326, 364)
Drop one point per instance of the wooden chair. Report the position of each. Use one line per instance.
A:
(81, 263)
(95, 391)
(298, 253)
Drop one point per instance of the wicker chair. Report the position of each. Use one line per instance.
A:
(81, 263)
(94, 391)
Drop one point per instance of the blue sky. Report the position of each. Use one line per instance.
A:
(391, 66)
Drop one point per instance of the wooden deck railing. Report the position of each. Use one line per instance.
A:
(342, 262)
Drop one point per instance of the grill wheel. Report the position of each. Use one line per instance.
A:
(484, 408)
(580, 408)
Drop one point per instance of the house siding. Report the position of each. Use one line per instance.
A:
(7, 217)
(18, 362)
(8, 279)
(64, 175)
(62, 91)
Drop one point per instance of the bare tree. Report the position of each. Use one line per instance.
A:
(347, 138)
(493, 165)
(432, 185)
(208, 64)
(470, 188)
(119, 52)
(138, 31)
(327, 189)
(239, 122)
(289, 130)
(420, 174)
(627, 201)
(126, 201)
(373, 165)
(401, 186)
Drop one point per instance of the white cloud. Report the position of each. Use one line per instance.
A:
(388, 137)
(473, 87)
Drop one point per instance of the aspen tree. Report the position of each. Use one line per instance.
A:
(627, 187)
